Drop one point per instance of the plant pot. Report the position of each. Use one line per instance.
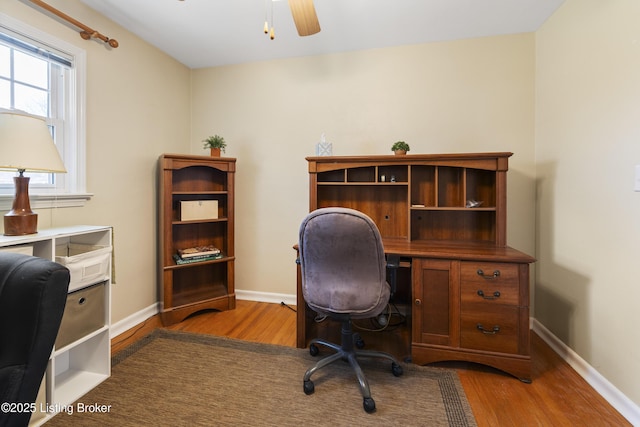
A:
(215, 152)
(400, 152)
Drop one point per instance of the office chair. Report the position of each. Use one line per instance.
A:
(343, 270)
(33, 294)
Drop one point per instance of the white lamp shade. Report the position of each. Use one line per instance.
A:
(25, 143)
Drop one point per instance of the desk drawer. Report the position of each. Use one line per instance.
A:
(494, 328)
(489, 282)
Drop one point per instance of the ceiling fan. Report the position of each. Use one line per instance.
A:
(304, 16)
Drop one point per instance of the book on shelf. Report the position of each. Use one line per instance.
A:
(198, 251)
(179, 260)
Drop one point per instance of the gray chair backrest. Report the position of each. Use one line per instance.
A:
(342, 262)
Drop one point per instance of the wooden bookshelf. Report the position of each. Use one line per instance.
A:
(188, 288)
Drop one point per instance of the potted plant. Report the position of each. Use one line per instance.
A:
(400, 147)
(216, 143)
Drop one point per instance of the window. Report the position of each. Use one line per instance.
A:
(44, 76)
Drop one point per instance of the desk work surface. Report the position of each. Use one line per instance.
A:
(451, 250)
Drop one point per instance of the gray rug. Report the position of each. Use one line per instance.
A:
(175, 378)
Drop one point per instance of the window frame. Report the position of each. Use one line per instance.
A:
(75, 192)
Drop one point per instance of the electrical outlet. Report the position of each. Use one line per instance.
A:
(636, 182)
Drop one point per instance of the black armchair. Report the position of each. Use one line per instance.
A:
(33, 294)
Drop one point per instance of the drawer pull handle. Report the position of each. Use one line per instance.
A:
(418, 302)
(496, 273)
(493, 331)
(495, 295)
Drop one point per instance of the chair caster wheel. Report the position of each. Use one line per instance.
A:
(359, 343)
(314, 350)
(308, 387)
(369, 405)
(396, 369)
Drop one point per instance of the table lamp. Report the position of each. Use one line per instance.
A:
(25, 145)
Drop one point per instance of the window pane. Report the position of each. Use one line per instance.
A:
(5, 94)
(42, 82)
(33, 101)
(4, 62)
(31, 70)
(39, 178)
(36, 178)
(6, 178)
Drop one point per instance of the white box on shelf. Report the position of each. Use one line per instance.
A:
(88, 264)
(194, 210)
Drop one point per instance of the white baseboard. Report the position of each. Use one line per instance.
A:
(134, 320)
(608, 391)
(266, 297)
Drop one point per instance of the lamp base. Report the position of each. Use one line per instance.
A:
(21, 223)
(21, 220)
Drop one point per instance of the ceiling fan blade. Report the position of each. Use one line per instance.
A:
(304, 16)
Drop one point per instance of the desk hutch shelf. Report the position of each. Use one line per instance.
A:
(445, 214)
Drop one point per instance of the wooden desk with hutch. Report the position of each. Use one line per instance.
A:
(446, 214)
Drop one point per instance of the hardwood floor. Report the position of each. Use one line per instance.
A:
(558, 396)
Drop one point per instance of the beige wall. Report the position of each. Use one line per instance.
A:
(587, 143)
(137, 108)
(463, 96)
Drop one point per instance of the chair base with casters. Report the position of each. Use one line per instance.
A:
(347, 352)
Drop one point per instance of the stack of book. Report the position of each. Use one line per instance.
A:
(197, 254)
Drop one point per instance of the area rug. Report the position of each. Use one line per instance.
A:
(173, 378)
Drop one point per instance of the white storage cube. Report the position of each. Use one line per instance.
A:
(88, 264)
(83, 314)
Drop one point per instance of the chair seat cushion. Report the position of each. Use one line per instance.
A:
(367, 312)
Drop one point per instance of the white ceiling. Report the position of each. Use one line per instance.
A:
(207, 33)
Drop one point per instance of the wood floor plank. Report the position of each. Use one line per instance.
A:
(558, 396)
